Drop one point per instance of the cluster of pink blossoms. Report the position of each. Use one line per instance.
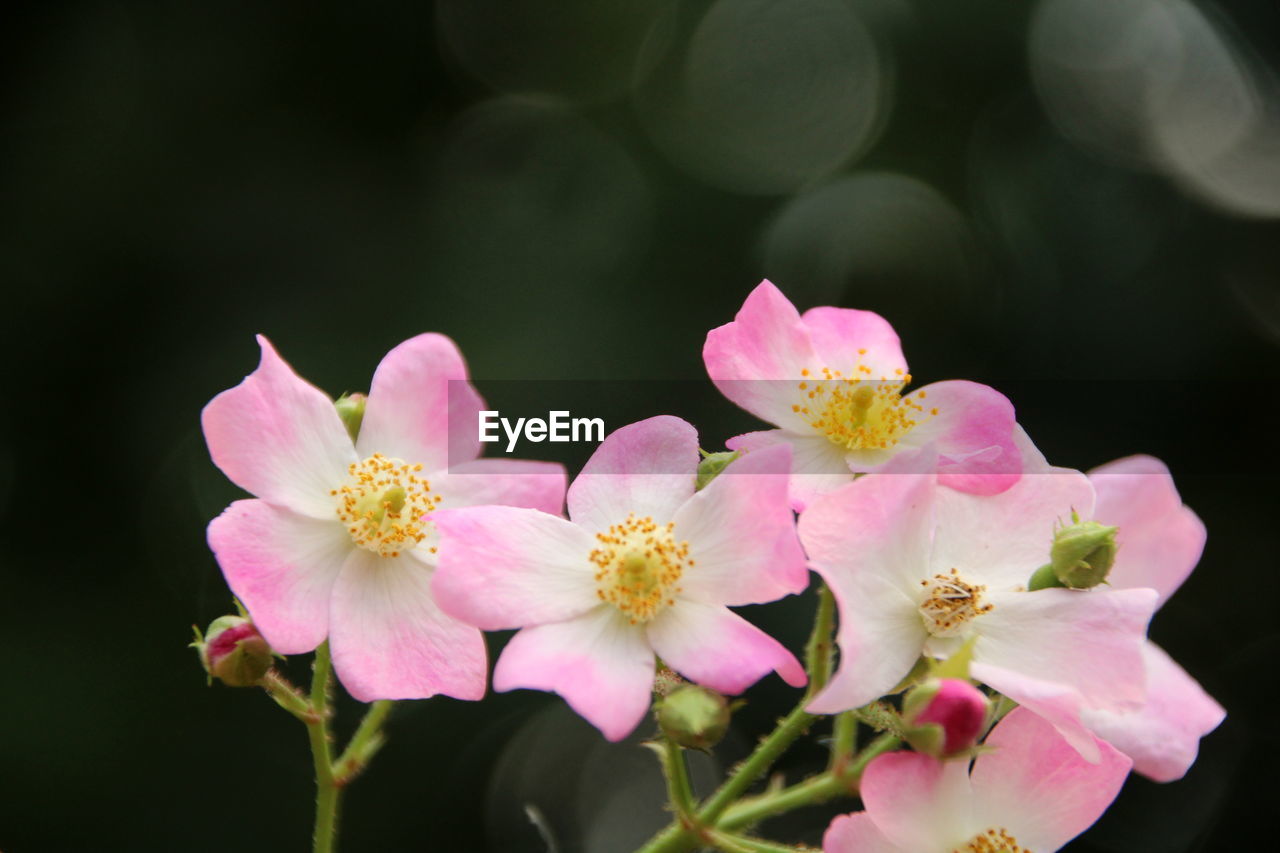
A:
(926, 512)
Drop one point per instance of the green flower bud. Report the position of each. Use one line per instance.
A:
(711, 466)
(351, 409)
(1083, 553)
(694, 716)
(233, 652)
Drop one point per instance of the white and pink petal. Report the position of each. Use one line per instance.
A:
(646, 468)
(504, 482)
(972, 433)
(818, 466)
(1163, 736)
(1160, 540)
(1000, 540)
(390, 640)
(712, 646)
(1038, 787)
(757, 359)
(601, 665)
(857, 833)
(279, 438)
(1088, 640)
(282, 566)
(421, 408)
(741, 534)
(870, 541)
(860, 344)
(507, 567)
(919, 803)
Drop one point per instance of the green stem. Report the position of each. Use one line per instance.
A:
(327, 792)
(791, 727)
(818, 659)
(844, 739)
(364, 744)
(679, 790)
(818, 652)
(817, 789)
(741, 844)
(287, 696)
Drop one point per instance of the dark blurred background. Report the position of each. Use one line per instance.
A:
(1073, 200)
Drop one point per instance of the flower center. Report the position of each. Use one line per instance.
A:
(857, 412)
(950, 602)
(995, 840)
(382, 504)
(638, 565)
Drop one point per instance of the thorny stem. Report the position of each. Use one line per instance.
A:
(327, 792)
(679, 790)
(314, 711)
(844, 739)
(708, 819)
(367, 740)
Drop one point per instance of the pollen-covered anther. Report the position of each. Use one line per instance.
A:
(382, 504)
(638, 567)
(859, 412)
(994, 840)
(950, 602)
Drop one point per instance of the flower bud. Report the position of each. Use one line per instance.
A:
(711, 466)
(1083, 553)
(694, 716)
(943, 716)
(351, 409)
(234, 652)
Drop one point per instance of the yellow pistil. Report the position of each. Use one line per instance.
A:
(995, 840)
(382, 504)
(857, 411)
(950, 603)
(638, 565)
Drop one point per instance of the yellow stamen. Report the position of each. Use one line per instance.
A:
(382, 505)
(950, 603)
(639, 564)
(860, 413)
(994, 840)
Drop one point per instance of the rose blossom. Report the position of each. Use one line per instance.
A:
(917, 569)
(335, 544)
(833, 380)
(644, 566)
(1032, 792)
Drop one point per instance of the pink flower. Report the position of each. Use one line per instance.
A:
(832, 381)
(1160, 543)
(335, 545)
(918, 569)
(1034, 792)
(644, 565)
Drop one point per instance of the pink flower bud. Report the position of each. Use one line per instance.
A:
(234, 652)
(944, 716)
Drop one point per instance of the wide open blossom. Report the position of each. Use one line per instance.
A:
(917, 569)
(335, 545)
(1032, 794)
(833, 382)
(644, 565)
(1160, 543)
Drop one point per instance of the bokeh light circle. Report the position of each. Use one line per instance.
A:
(763, 97)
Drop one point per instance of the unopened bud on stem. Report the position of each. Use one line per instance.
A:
(943, 716)
(694, 716)
(711, 466)
(1082, 553)
(351, 409)
(233, 652)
